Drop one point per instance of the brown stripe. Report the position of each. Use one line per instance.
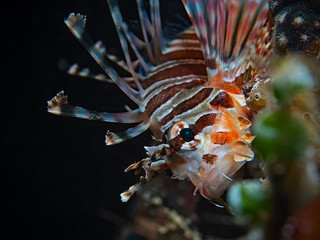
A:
(188, 36)
(210, 158)
(177, 142)
(187, 105)
(206, 120)
(182, 54)
(223, 99)
(182, 43)
(168, 93)
(176, 71)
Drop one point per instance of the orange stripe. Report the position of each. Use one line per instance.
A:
(223, 137)
(217, 82)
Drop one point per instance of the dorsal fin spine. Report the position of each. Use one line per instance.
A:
(227, 29)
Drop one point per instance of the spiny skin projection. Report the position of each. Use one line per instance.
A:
(297, 26)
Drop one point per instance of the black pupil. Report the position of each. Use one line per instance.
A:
(187, 134)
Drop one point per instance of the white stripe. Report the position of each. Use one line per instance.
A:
(192, 114)
(183, 41)
(189, 30)
(179, 48)
(157, 87)
(166, 108)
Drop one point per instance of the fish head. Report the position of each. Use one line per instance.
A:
(210, 150)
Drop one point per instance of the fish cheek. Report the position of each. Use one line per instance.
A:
(222, 138)
(175, 162)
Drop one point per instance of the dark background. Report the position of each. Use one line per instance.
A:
(59, 179)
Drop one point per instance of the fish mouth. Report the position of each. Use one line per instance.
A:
(212, 178)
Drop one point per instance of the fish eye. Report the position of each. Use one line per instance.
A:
(184, 136)
(187, 134)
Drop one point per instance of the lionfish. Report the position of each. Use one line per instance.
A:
(190, 88)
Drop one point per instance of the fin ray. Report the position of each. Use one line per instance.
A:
(227, 31)
(75, 70)
(76, 24)
(115, 138)
(125, 37)
(59, 105)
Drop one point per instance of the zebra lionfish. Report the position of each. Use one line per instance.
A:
(190, 89)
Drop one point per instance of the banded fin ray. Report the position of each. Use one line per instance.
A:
(147, 50)
(227, 31)
(146, 54)
(75, 70)
(115, 138)
(156, 24)
(59, 105)
(125, 37)
(76, 24)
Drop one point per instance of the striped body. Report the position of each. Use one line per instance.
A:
(190, 89)
(178, 95)
(181, 73)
